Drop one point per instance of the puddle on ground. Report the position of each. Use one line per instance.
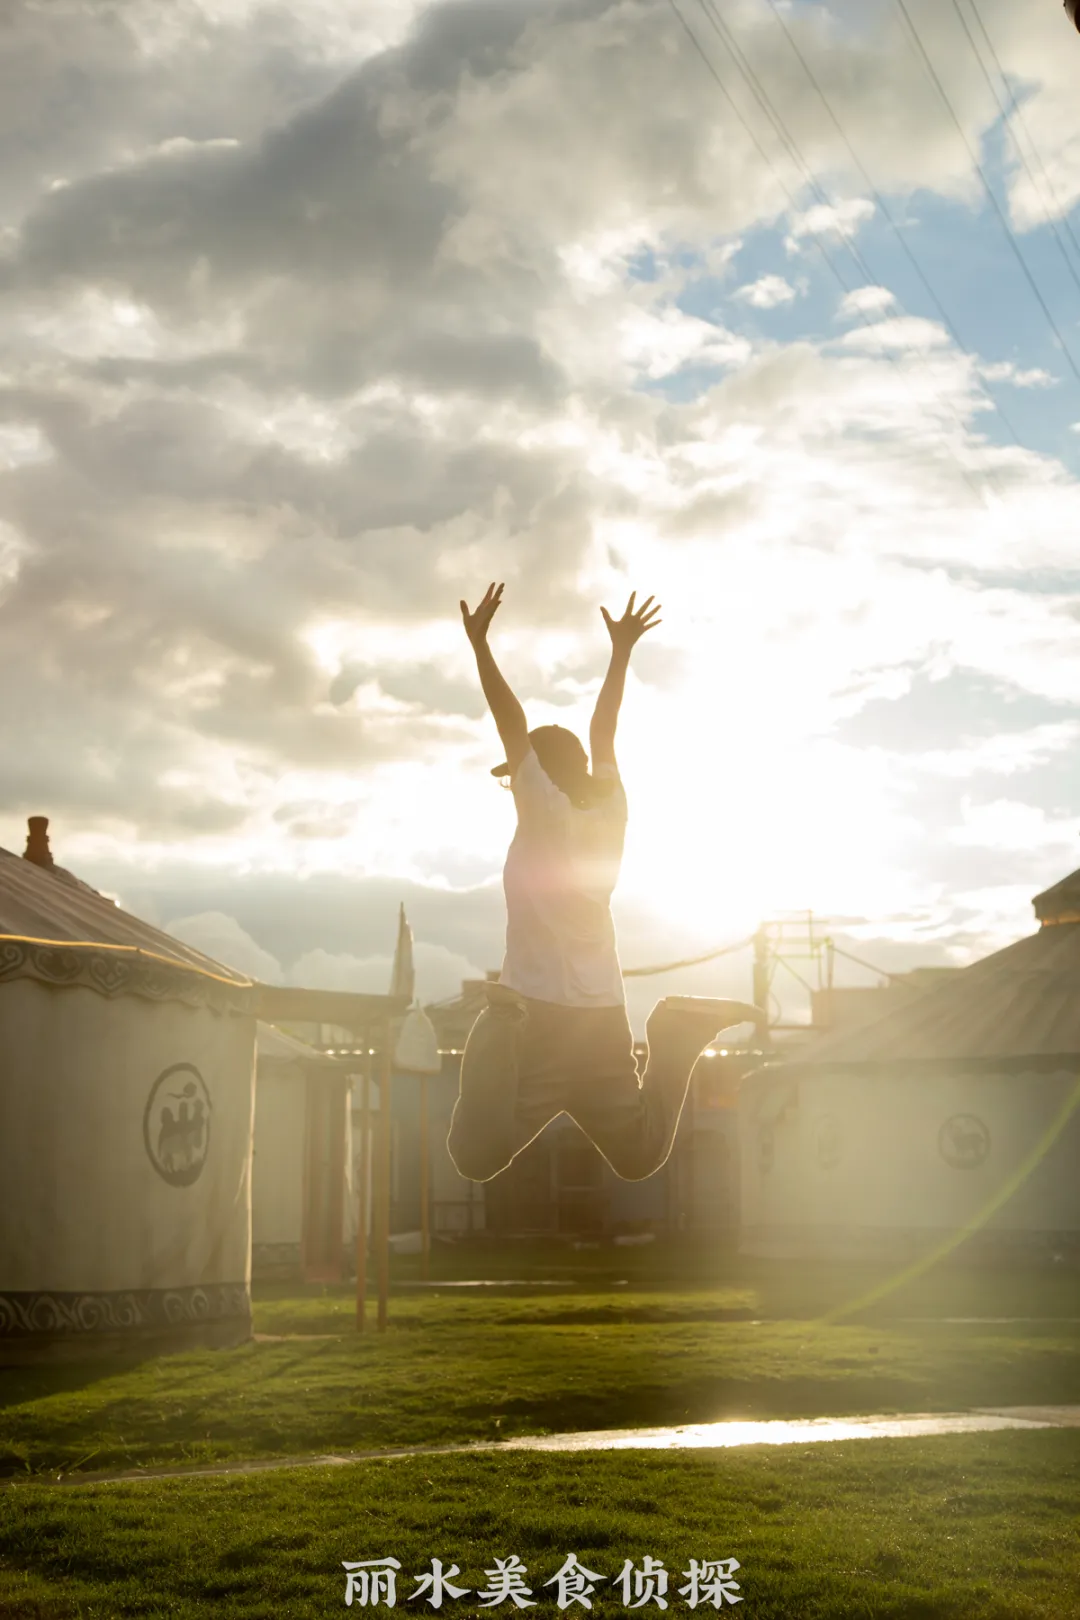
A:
(689, 1436)
(781, 1432)
(289, 1338)
(502, 1282)
(981, 1321)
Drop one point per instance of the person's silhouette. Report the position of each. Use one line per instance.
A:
(554, 1037)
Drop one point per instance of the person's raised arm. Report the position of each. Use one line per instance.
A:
(506, 711)
(624, 633)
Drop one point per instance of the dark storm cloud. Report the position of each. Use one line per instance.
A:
(86, 81)
(325, 231)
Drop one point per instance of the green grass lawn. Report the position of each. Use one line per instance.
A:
(776, 1287)
(725, 1281)
(939, 1529)
(458, 1366)
(958, 1526)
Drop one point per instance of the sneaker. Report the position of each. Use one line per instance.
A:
(677, 1031)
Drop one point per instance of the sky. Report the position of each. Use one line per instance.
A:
(316, 318)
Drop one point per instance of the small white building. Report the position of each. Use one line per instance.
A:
(303, 1194)
(955, 1118)
(127, 1070)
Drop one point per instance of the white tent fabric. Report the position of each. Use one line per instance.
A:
(126, 1106)
(840, 1162)
(417, 1048)
(285, 1065)
(954, 1118)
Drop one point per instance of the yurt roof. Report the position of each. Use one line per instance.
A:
(1023, 1001)
(1061, 902)
(59, 930)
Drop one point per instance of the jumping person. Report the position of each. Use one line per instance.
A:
(554, 1037)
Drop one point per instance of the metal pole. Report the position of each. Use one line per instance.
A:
(761, 980)
(425, 1227)
(364, 1180)
(382, 1220)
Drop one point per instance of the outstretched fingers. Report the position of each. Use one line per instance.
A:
(647, 617)
(634, 622)
(477, 622)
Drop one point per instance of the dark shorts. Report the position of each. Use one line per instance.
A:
(525, 1062)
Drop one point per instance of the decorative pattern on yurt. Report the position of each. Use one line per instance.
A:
(955, 1118)
(126, 1104)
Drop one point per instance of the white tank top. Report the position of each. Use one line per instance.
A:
(559, 876)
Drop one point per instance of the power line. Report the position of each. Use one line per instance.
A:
(1015, 107)
(880, 203)
(1023, 156)
(733, 104)
(792, 201)
(1003, 220)
(793, 204)
(691, 961)
(752, 82)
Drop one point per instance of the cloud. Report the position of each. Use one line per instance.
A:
(222, 938)
(841, 219)
(439, 972)
(767, 292)
(1007, 754)
(1011, 824)
(1006, 371)
(906, 332)
(867, 300)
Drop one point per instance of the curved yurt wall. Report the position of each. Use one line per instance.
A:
(956, 1117)
(126, 1100)
(840, 1162)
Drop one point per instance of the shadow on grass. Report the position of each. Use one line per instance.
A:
(697, 1400)
(21, 1384)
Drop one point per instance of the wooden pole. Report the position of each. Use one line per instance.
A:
(382, 1220)
(364, 1182)
(425, 1214)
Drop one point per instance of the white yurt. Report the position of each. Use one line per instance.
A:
(954, 1119)
(303, 1200)
(127, 1066)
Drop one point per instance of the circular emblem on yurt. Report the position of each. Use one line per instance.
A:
(766, 1148)
(176, 1124)
(964, 1141)
(829, 1143)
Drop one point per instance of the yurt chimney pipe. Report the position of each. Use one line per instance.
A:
(37, 842)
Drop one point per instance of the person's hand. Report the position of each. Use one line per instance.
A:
(478, 623)
(632, 626)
